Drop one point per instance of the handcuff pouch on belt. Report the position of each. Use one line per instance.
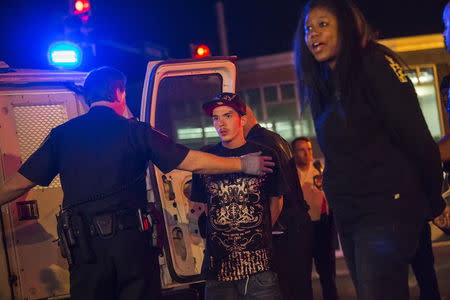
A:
(105, 225)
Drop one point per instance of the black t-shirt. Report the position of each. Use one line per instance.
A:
(239, 224)
(99, 152)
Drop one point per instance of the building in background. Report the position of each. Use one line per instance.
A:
(268, 85)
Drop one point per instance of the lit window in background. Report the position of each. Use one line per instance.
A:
(297, 129)
(285, 129)
(424, 83)
(189, 133)
(210, 132)
(266, 125)
(424, 77)
(281, 111)
(196, 133)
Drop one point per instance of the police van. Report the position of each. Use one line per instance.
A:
(32, 102)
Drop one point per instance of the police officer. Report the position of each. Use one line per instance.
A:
(102, 159)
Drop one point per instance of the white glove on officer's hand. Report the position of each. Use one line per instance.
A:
(255, 164)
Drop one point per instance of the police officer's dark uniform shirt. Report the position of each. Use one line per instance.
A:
(295, 208)
(98, 152)
(380, 161)
(238, 240)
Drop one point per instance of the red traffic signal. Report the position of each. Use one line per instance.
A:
(199, 51)
(79, 7)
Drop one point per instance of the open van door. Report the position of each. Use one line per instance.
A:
(173, 94)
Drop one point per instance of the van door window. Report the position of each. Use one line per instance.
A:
(179, 107)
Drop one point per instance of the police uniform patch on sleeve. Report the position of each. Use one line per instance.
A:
(397, 69)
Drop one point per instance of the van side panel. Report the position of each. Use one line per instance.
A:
(26, 118)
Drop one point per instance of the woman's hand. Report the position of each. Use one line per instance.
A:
(443, 221)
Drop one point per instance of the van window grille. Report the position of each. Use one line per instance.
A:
(34, 123)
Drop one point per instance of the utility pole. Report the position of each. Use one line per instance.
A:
(222, 29)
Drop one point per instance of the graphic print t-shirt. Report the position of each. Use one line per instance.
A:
(238, 239)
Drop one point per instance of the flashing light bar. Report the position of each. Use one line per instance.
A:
(64, 55)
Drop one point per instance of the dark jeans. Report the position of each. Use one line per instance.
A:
(423, 267)
(324, 256)
(259, 286)
(378, 258)
(126, 268)
(292, 261)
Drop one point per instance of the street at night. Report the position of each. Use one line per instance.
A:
(208, 150)
(347, 291)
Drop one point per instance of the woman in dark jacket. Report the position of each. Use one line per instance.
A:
(383, 173)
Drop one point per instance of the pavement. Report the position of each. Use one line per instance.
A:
(346, 290)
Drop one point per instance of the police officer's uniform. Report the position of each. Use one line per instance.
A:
(101, 158)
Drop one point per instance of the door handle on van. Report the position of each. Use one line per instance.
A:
(27, 210)
(169, 183)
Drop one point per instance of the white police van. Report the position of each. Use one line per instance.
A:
(32, 102)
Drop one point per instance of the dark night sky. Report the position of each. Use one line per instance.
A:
(254, 27)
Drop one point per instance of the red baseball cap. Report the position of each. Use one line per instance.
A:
(225, 99)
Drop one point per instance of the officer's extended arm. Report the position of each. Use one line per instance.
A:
(14, 187)
(206, 163)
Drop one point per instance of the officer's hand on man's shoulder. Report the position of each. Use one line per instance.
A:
(255, 164)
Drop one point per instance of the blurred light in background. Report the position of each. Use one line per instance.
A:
(199, 51)
(81, 7)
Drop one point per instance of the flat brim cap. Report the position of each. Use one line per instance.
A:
(225, 99)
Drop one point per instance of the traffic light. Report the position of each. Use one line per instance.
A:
(79, 33)
(80, 8)
(199, 51)
(78, 25)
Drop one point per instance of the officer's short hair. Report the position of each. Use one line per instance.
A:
(101, 83)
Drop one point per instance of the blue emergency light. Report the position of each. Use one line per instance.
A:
(65, 55)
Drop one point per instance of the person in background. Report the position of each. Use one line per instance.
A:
(292, 235)
(310, 177)
(364, 105)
